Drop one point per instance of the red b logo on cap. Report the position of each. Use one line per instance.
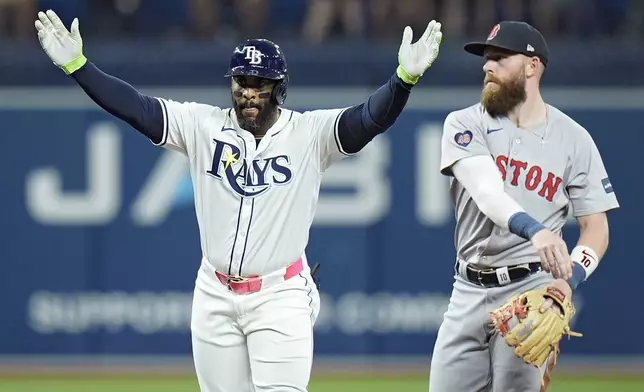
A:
(494, 32)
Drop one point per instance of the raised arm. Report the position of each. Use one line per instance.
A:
(142, 112)
(344, 132)
(358, 125)
(65, 49)
(164, 122)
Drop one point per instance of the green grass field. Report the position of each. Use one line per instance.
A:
(327, 384)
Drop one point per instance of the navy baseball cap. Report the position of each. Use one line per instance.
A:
(513, 36)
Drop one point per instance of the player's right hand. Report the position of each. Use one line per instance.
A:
(63, 47)
(553, 253)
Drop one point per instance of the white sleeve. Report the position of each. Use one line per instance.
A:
(481, 178)
(324, 126)
(180, 124)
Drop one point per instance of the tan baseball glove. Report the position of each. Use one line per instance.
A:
(534, 334)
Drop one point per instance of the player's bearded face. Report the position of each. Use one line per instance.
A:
(252, 102)
(499, 97)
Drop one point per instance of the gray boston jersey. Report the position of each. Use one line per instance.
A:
(547, 170)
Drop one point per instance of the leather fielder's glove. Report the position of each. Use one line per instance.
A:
(534, 334)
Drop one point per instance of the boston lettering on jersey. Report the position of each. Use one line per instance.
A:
(533, 176)
(248, 180)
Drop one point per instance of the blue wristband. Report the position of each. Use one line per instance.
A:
(524, 225)
(578, 275)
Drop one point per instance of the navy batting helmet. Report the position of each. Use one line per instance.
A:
(264, 59)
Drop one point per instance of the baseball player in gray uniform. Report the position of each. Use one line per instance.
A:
(256, 169)
(517, 165)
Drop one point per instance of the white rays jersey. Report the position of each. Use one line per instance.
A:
(548, 170)
(254, 203)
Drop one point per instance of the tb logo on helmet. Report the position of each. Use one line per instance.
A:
(253, 55)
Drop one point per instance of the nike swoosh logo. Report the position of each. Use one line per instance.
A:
(489, 131)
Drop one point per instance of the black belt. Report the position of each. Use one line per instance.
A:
(491, 277)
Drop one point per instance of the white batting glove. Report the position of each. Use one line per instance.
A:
(64, 48)
(415, 59)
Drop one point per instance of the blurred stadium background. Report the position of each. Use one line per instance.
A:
(99, 241)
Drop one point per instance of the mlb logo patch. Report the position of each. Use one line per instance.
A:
(463, 138)
(608, 188)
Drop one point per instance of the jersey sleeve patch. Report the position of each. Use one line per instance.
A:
(608, 187)
(463, 139)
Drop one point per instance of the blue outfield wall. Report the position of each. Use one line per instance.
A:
(100, 245)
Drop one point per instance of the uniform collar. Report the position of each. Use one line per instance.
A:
(282, 119)
(505, 122)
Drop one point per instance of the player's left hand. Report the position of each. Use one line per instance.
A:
(533, 323)
(415, 59)
(561, 285)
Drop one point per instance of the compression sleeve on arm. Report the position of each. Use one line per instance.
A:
(120, 99)
(482, 180)
(359, 124)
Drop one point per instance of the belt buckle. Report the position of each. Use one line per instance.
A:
(479, 276)
(235, 279)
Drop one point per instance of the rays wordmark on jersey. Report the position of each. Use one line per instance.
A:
(248, 179)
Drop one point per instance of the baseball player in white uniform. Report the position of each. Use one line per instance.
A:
(256, 170)
(517, 167)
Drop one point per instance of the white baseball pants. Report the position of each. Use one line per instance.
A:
(254, 342)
